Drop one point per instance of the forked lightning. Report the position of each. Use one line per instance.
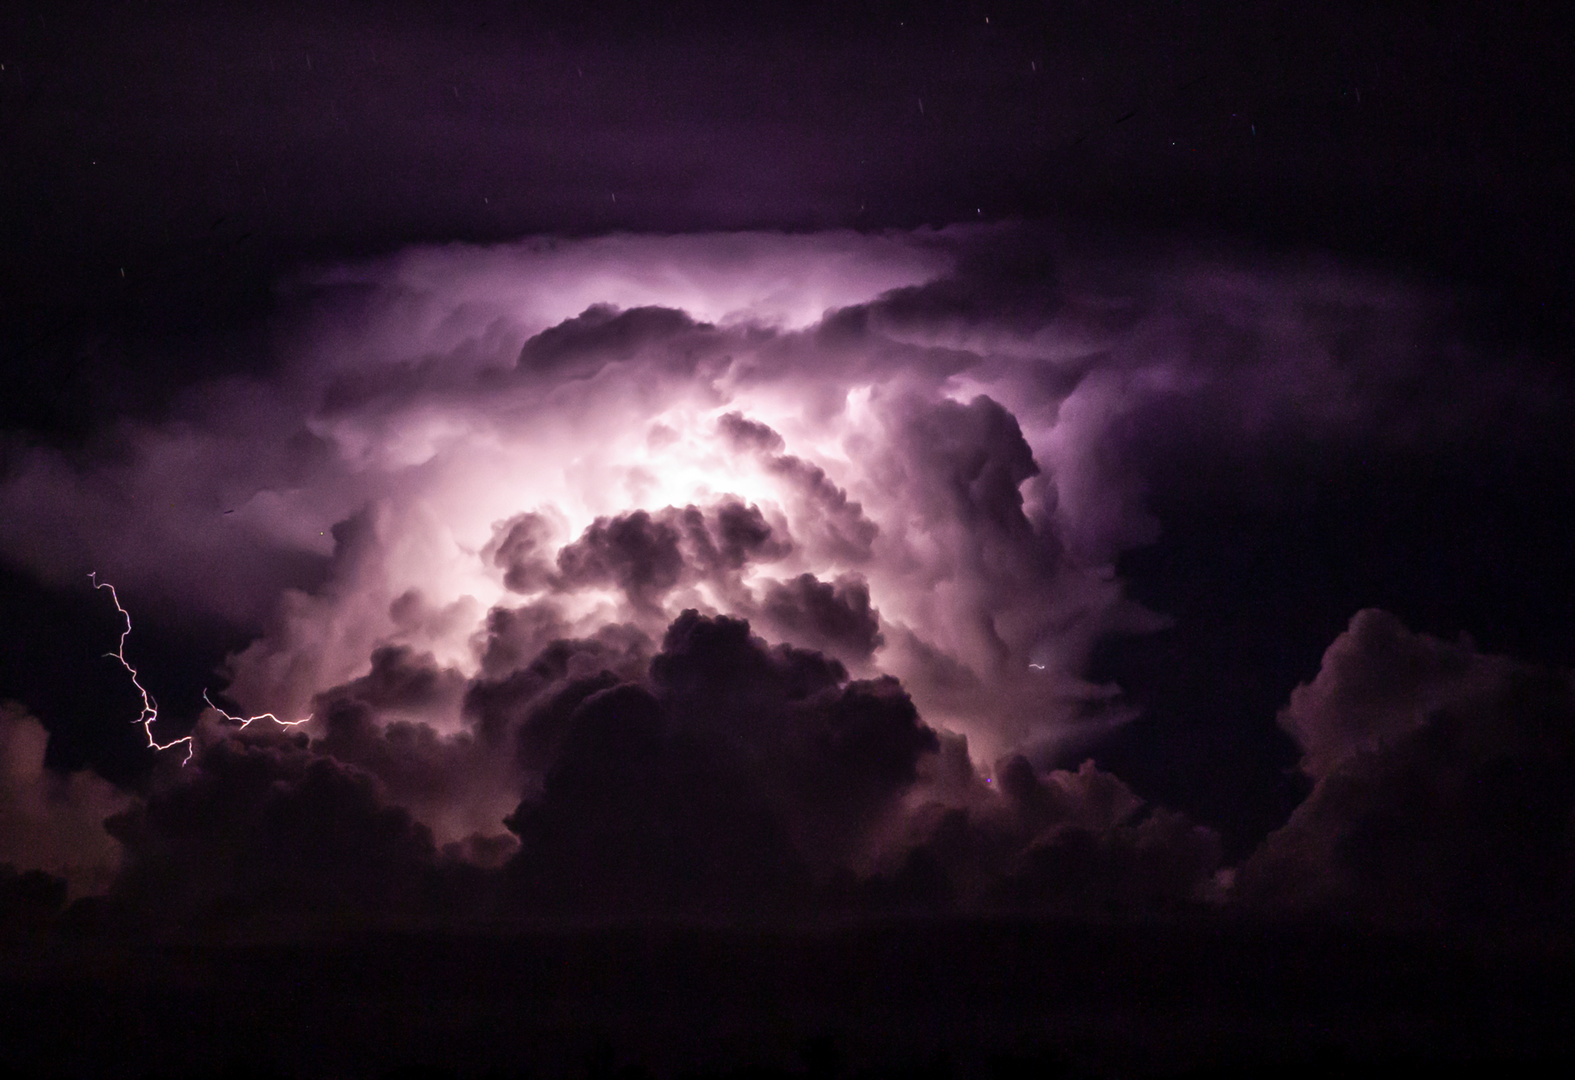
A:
(150, 707)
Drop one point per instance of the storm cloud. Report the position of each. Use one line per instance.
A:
(1444, 786)
(757, 572)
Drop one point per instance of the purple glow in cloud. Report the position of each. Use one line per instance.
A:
(529, 477)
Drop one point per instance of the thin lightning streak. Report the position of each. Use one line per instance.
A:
(245, 720)
(150, 707)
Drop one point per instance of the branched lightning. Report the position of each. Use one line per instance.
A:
(150, 707)
(243, 721)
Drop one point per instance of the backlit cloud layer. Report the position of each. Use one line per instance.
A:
(725, 572)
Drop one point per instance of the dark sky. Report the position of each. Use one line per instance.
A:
(1183, 334)
(204, 152)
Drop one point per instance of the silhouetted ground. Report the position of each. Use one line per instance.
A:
(977, 998)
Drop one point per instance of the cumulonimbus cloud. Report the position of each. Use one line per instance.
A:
(787, 553)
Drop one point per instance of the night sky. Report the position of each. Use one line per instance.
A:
(953, 539)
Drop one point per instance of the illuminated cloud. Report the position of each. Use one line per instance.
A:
(630, 426)
(683, 432)
(749, 552)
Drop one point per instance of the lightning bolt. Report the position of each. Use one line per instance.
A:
(243, 721)
(150, 707)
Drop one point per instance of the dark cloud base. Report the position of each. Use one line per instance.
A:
(930, 998)
(722, 779)
(237, 936)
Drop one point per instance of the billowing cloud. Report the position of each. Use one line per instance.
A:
(746, 552)
(627, 427)
(266, 832)
(646, 556)
(751, 778)
(719, 775)
(834, 616)
(1444, 786)
(400, 723)
(1068, 842)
